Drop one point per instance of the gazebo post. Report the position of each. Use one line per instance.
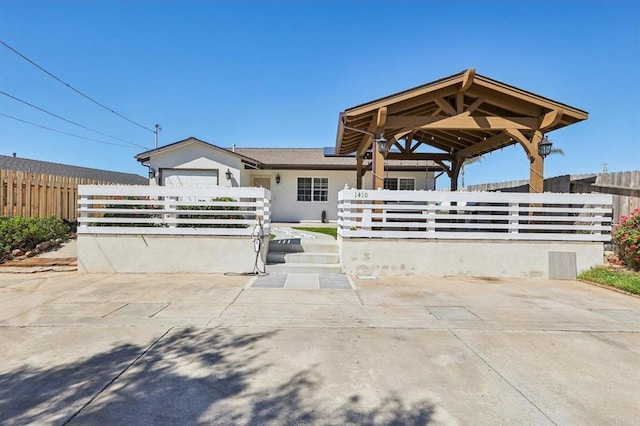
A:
(536, 168)
(456, 165)
(377, 170)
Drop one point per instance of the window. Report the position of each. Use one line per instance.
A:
(313, 189)
(402, 184)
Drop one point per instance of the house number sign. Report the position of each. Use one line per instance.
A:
(361, 194)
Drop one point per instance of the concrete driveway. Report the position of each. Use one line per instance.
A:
(209, 349)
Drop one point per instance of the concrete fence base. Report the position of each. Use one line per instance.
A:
(166, 254)
(363, 256)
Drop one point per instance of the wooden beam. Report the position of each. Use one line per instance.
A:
(459, 102)
(524, 142)
(474, 106)
(467, 79)
(377, 122)
(462, 121)
(550, 119)
(494, 141)
(381, 117)
(364, 145)
(445, 168)
(359, 172)
(433, 156)
(415, 146)
(445, 106)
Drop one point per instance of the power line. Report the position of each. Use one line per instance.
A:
(73, 88)
(67, 120)
(64, 133)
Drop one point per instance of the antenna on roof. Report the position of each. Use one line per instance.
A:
(158, 128)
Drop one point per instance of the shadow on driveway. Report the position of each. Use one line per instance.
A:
(188, 376)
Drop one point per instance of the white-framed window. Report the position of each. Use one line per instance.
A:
(313, 189)
(402, 184)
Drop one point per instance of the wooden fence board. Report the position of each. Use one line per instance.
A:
(39, 195)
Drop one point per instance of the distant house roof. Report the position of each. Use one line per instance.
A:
(290, 158)
(45, 167)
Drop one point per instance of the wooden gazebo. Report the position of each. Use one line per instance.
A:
(461, 116)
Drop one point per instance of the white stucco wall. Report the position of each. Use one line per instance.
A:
(286, 207)
(110, 254)
(201, 157)
(365, 256)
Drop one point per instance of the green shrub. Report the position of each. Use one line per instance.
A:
(17, 232)
(626, 240)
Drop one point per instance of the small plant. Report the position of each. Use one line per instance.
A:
(626, 240)
(24, 233)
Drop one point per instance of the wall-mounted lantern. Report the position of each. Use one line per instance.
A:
(544, 147)
(382, 144)
(278, 178)
(152, 173)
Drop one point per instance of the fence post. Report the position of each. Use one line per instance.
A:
(514, 219)
(170, 204)
(431, 216)
(83, 210)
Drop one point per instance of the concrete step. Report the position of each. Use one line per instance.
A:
(303, 268)
(317, 258)
(299, 245)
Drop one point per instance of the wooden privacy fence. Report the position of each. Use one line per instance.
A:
(474, 215)
(167, 210)
(39, 195)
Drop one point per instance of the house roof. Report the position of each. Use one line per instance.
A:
(144, 156)
(45, 167)
(463, 115)
(289, 158)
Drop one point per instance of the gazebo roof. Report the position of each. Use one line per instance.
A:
(461, 116)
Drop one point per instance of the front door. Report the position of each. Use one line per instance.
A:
(261, 182)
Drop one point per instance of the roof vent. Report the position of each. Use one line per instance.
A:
(233, 147)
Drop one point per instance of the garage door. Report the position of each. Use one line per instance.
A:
(186, 177)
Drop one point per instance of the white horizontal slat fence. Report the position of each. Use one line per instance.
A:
(164, 210)
(474, 215)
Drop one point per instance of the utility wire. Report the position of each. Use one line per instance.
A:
(69, 121)
(64, 133)
(73, 88)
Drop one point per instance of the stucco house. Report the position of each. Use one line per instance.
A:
(304, 182)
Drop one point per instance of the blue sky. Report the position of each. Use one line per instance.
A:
(277, 73)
